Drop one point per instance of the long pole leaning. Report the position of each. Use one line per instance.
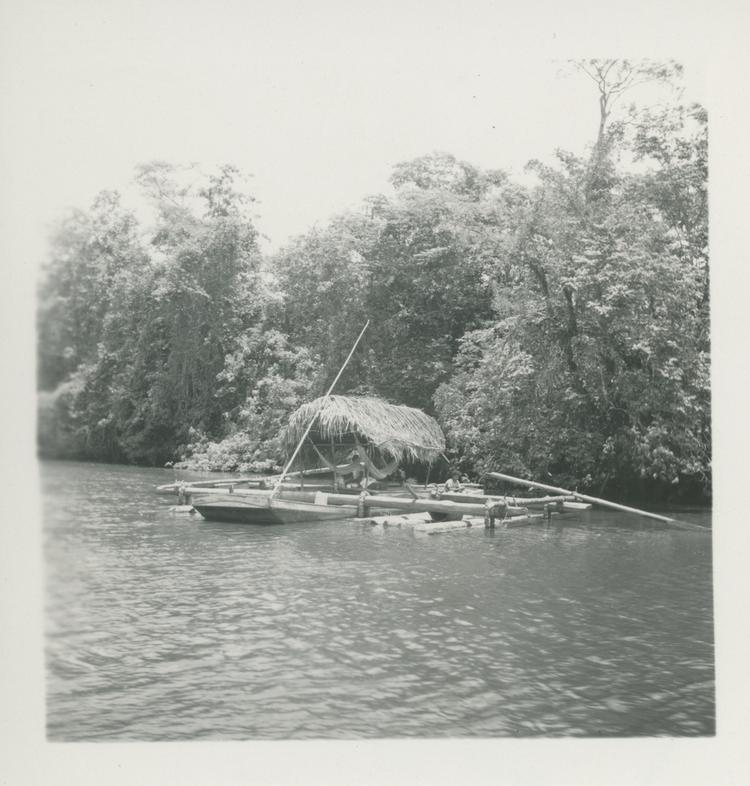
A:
(289, 463)
(596, 501)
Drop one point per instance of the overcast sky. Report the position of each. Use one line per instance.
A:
(316, 100)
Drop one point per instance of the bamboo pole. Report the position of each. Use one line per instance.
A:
(312, 419)
(596, 501)
(525, 502)
(260, 479)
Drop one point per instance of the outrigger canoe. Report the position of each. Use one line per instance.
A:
(257, 506)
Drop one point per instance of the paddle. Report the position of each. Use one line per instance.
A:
(312, 419)
(603, 502)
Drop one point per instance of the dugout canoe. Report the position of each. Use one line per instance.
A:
(264, 509)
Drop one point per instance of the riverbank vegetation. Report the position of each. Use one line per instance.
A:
(555, 327)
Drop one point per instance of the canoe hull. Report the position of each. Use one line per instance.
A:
(266, 511)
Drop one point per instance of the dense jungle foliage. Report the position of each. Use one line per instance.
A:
(558, 329)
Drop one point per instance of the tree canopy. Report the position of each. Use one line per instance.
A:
(554, 328)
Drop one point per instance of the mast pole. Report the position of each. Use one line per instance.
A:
(277, 487)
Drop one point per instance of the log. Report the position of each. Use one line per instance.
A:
(577, 505)
(475, 522)
(182, 509)
(435, 527)
(603, 502)
(405, 520)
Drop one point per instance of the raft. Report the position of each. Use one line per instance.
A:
(422, 523)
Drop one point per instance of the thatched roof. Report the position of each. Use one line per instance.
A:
(397, 431)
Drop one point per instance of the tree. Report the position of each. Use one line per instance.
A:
(441, 171)
(95, 255)
(417, 265)
(596, 367)
(144, 335)
(204, 291)
(87, 301)
(323, 279)
(269, 378)
(614, 79)
(428, 285)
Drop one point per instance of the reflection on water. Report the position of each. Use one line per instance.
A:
(164, 627)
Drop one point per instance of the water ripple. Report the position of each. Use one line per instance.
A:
(167, 628)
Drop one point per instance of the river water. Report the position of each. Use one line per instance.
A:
(168, 627)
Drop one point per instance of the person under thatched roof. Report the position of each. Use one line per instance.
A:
(395, 431)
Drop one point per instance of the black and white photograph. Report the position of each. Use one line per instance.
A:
(367, 417)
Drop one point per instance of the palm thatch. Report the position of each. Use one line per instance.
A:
(395, 430)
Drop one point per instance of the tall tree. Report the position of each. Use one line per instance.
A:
(596, 367)
(135, 339)
(323, 279)
(205, 291)
(95, 255)
(417, 265)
